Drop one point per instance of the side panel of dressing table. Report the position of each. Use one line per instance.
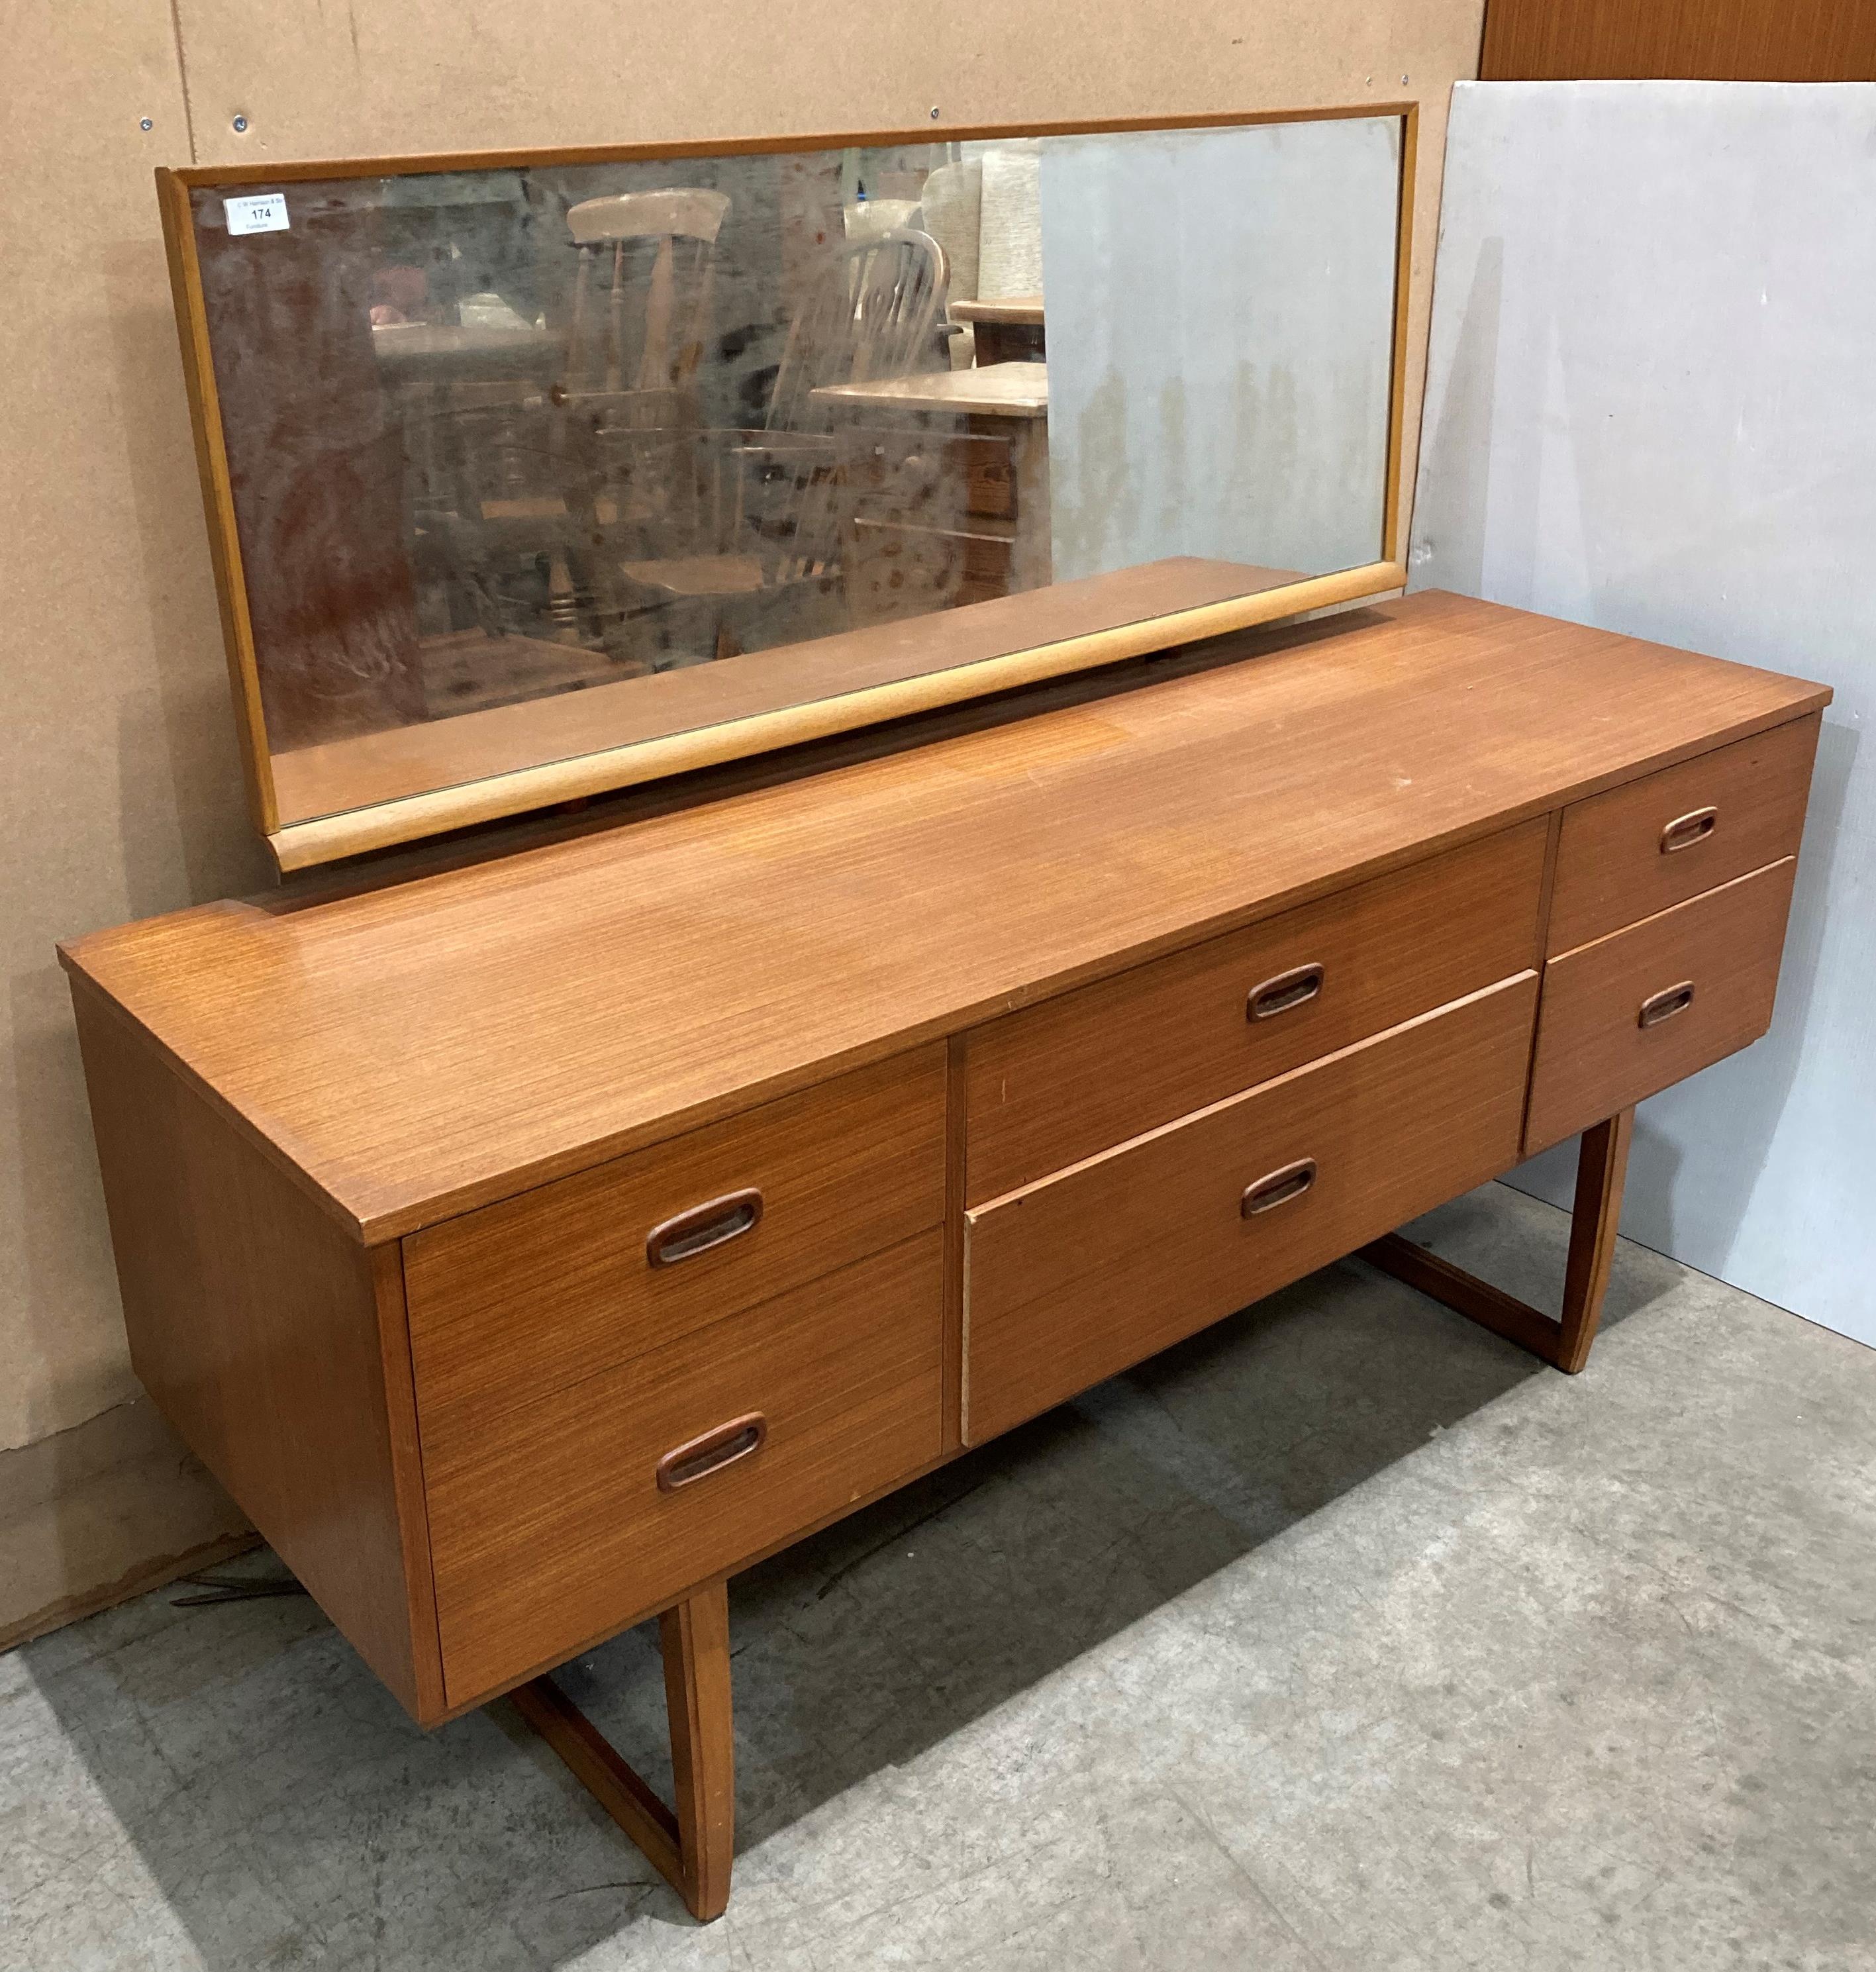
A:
(529, 1245)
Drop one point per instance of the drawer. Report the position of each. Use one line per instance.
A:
(900, 571)
(1624, 855)
(554, 1528)
(1062, 1080)
(1079, 1276)
(911, 474)
(511, 1301)
(1635, 1011)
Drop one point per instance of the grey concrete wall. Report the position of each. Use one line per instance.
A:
(1220, 317)
(1651, 406)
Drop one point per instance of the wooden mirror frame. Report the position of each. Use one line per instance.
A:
(301, 844)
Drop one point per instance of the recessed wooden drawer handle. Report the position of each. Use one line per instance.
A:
(702, 1227)
(1302, 983)
(1659, 1006)
(1278, 1188)
(1685, 830)
(698, 1458)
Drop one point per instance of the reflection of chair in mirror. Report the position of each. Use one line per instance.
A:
(496, 540)
(640, 322)
(879, 313)
(764, 565)
(655, 319)
(510, 508)
(509, 522)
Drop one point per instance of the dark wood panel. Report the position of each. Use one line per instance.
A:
(553, 1529)
(424, 1048)
(269, 1339)
(1080, 1276)
(1726, 41)
(1637, 850)
(514, 1300)
(1078, 1075)
(1595, 1055)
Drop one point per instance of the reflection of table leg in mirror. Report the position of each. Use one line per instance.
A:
(1031, 556)
(694, 1848)
(1602, 1165)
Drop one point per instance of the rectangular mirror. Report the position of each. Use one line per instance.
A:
(529, 477)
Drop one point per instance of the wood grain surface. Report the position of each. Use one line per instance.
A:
(1002, 389)
(1595, 1224)
(1072, 1279)
(274, 1344)
(694, 1637)
(1612, 869)
(550, 1530)
(1722, 40)
(1594, 1058)
(801, 715)
(1060, 1082)
(509, 1303)
(694, 1847)
(1025, 310)
(372, 768)
(411, 1052)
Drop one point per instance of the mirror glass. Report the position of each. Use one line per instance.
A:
(529, 462)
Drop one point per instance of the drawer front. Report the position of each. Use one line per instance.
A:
(1075, 1076)
(1623, 856)
(1628, 1015)
(512, 1301)
(554, 1528)
(907, 571)
(1082, 1274)
(912, 475)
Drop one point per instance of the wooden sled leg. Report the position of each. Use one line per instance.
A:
(691, 1849)
(1602, 1165)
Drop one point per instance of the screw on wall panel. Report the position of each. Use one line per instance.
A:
(240, 123)
(148, 123)
(935, 113)
(1403, 78)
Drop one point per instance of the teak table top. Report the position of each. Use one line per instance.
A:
(998, 389)
(1021, 311)
(418, 1050)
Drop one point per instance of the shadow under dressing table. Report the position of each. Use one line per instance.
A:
(529, 1245)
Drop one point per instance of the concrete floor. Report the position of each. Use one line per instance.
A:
(1341, 1637)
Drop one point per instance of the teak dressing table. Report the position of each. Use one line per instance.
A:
(530, 1245)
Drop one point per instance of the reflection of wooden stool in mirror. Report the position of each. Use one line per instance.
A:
(494, 536)
(628, 387)
(506, 511)
(947, 487)
(497, 533)
(664, 324)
